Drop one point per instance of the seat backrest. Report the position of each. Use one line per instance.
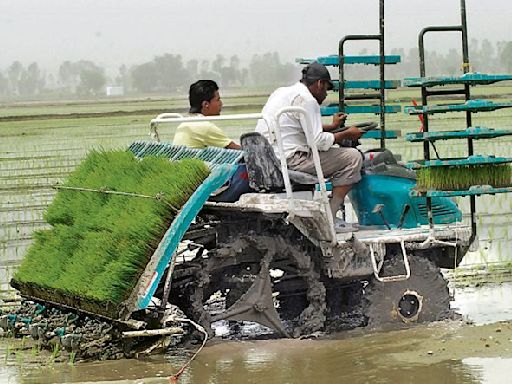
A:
(263, 167)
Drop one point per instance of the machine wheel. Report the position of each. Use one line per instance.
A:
(264, 279)
(424, 297)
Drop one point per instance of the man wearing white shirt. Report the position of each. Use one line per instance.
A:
(342, 165)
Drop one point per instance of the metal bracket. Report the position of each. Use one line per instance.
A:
(389, 279)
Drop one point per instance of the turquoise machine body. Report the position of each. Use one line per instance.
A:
(390, 184)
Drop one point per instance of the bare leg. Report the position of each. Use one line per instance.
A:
(338, 196)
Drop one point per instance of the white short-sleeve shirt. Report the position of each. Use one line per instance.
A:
(292, 132)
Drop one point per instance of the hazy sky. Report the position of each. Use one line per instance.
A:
(112, 32)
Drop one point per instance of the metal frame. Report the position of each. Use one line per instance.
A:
(341, 54)
(425, 93)
(274, 130)
(324, 200)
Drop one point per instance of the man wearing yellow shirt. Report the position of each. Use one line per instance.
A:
(204, 100)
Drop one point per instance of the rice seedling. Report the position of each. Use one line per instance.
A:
(463, 177)
(100, 242)
(72, 357)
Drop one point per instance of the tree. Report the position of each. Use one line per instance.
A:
(164, 73)
(14, 74)
(69, 76)
(506, 56)
(4, 85)
(267, 69)
(218, 63)
(205, 72)
(145, 77)
(123, 78)
(192, 67)
(487, 58)
(92, 78)
(452, 62)
(172, 75)
(31, 81)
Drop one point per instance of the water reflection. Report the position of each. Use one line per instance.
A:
(490, 370)
(486, 304)
(9, 375)
(356, 358)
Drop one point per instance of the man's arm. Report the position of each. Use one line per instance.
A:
(352, 133)
(323, 140)
(337, 120)
(233, 145)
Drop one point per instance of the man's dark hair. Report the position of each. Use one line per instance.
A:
(314, 72)
(306, 80)
(201, 90)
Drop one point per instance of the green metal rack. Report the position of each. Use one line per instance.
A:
(376, 87)
(465, 161)
(335, 108)
(366, 84)
(362, 59)
(466, 80)
(474, 133)
(469, 106)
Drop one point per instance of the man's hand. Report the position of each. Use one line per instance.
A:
(337, 120)
(352, 133)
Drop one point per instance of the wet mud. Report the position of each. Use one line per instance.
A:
(449, 351)
(444, 352)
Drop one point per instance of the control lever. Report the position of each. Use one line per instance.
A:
(406, 209)
(378, 210)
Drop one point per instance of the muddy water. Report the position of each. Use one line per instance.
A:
(447, 352)
(393, 357)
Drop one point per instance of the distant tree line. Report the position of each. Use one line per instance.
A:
(169, 73)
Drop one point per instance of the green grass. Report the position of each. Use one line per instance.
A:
(100, 243)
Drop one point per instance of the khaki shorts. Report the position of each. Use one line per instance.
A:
(342, 165)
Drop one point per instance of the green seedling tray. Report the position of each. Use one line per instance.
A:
(213, 156)
(469, 133)
(376, 134)
(468, 161)
(360, 59)
(476, 190)
(334, 108)
(468, 78)
(468, 106)
(366, 84)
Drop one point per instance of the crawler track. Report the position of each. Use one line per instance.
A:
(260, 278)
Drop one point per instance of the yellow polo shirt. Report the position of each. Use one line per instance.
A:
(200, 134)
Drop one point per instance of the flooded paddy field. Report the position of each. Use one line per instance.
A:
(37, 152)
(455, 351)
